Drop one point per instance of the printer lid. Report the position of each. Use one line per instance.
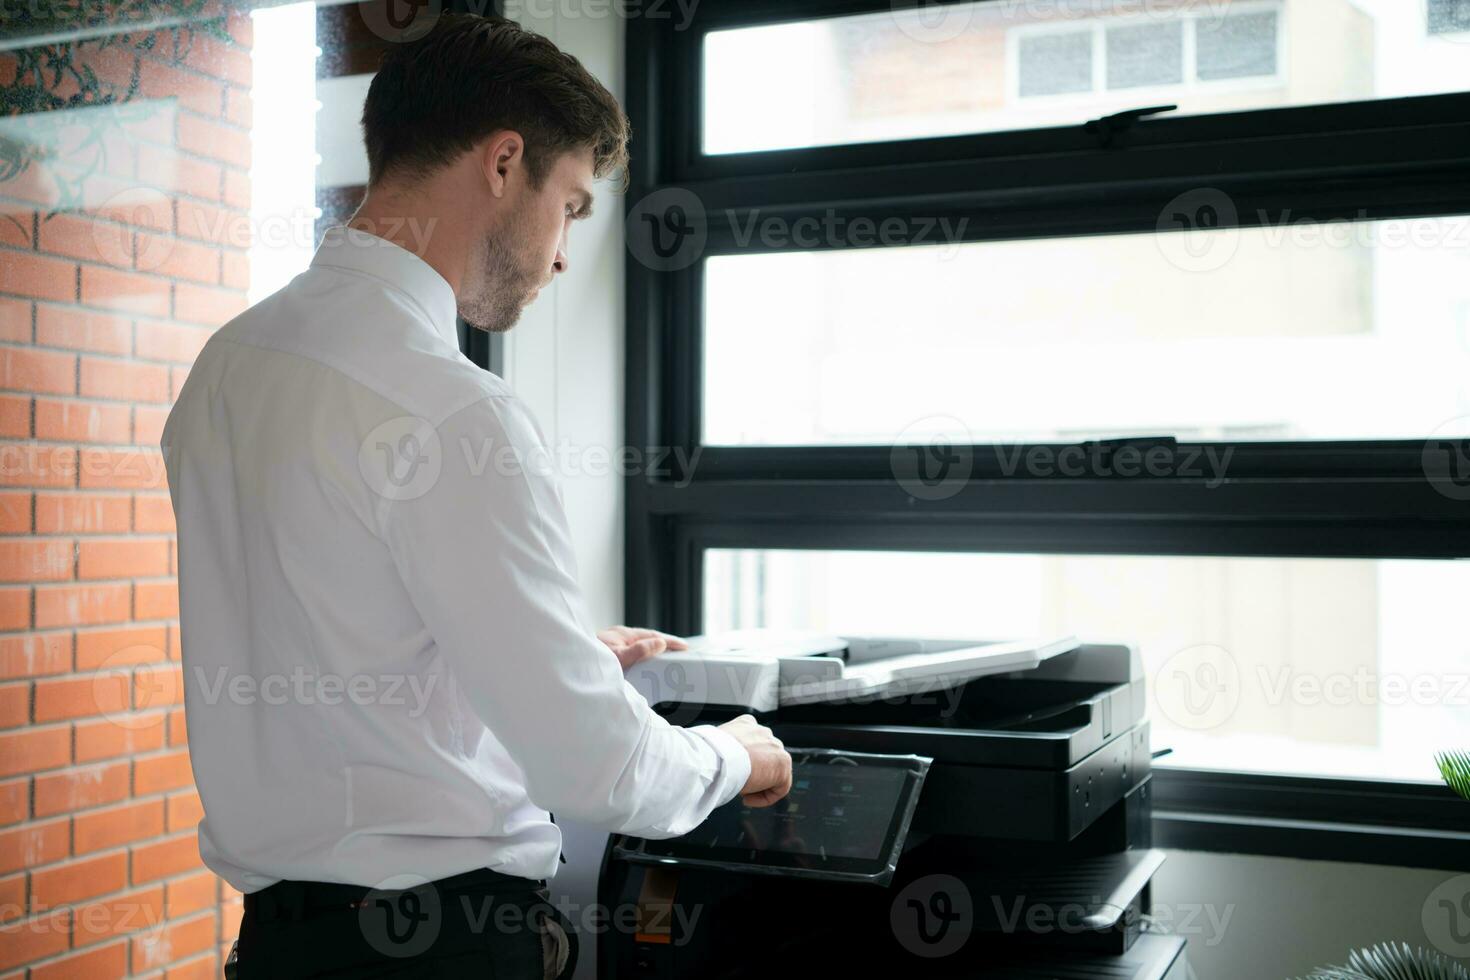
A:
(763, 670)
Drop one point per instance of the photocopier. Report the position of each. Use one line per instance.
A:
(958, 809)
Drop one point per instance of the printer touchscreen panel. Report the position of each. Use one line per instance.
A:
(846, 816)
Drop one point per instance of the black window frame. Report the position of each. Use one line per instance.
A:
(1398, 158)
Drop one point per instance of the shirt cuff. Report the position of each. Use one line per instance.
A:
(734, 761)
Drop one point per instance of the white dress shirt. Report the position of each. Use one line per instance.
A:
(388, 666)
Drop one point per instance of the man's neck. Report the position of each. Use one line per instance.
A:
(416, 224)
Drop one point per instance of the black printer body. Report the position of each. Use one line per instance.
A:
(995, 827)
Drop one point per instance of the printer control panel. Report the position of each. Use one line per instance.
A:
(846, 818)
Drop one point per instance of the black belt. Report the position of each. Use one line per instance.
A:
(299, 899)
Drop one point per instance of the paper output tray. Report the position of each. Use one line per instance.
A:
(1093, 894)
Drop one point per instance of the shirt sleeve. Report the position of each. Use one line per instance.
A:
(482, 544)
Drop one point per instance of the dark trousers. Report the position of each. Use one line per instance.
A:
(480, 924)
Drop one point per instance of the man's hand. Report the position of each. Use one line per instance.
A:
(632, 645)
(770, 765)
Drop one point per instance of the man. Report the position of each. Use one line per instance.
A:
(390, 677)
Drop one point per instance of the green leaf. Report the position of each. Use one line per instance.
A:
(1455, 768)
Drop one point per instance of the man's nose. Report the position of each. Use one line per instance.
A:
(559, 264)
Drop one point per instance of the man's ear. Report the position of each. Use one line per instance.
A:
(502, 154)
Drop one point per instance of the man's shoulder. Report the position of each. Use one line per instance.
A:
(370, 336)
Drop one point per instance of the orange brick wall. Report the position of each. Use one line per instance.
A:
(114, 269)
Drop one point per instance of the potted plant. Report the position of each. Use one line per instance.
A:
(1401, 962)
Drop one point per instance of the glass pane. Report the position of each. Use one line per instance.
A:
(1449, 16)
(925, 69)
(1242, 46)
(1322, 667)
(1340, 331)
(1145, 54)
(1055, 64)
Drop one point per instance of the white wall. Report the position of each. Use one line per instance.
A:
(566, 359)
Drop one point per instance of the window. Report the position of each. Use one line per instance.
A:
(1145, 54)
(1033, 340)
(932, 69)
(1056, 64)
(1449, 16)
(939, 337)
(1337, 670)
(1240, 46)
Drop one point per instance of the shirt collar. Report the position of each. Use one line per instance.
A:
(367, 254)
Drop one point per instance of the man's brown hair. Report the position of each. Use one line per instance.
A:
(435, 97)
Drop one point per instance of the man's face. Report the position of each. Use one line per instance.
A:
(527, 247)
